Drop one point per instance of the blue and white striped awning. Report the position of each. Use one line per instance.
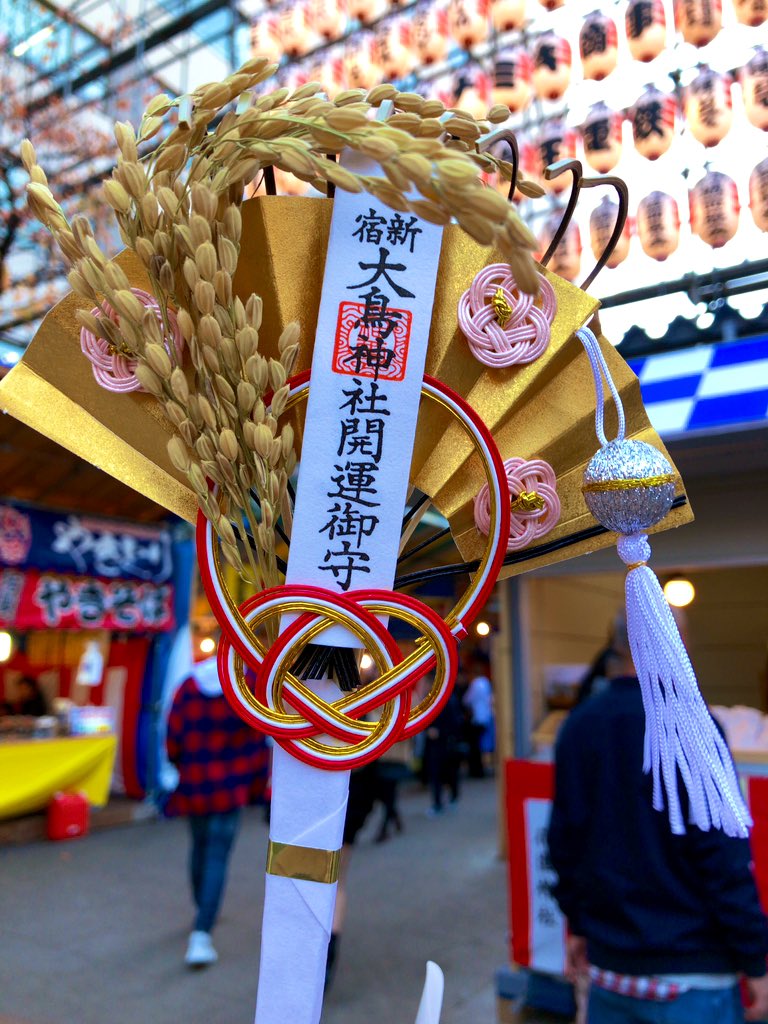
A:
(709, 388)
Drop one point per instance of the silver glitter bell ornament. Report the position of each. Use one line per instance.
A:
(629, 487)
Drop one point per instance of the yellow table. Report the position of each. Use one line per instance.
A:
(31, 771)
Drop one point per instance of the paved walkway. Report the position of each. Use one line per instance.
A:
(93, 931)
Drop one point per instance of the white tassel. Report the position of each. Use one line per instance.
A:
(680, 734)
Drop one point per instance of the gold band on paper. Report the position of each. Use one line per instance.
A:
(630, 483)
(304, 862)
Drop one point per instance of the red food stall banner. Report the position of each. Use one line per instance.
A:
(538, 928)
(35, 600)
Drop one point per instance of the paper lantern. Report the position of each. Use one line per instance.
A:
(327, 18)
(646, 28)
(714, 203)
(429, 33)
(468, 22)
(366, 11)
(555, 142)
(296, 36)
(507, 15)
(329, 72)
(566, 259)
(658, 225)
(474, 93)
(265, 38)
(394, 50)
(653, 123)
(512, 79)
(602, 221)
(758, 194)
(361, 67)
(551, 66)
(698, 21)
(708, 109)
(601, 138)
(551, 5)
(751, 12)
(598, 45)
(754, 84)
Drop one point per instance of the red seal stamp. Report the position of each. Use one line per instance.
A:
(372, 339)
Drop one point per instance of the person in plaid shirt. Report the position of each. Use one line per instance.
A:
(664, 925)
(219, 758)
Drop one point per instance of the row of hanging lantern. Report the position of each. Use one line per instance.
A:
(424, 36)
(707, 114)
(714, 218)
(301, 25)
(706, 102)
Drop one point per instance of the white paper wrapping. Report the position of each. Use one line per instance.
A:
(432, 997)
(380, 270)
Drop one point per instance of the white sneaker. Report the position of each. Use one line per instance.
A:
(200, 951)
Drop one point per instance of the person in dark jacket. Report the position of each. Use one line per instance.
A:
(665, 924)
(218, 758)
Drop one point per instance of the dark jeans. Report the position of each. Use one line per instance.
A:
(475, 735)
(697, 1006)
(212, 838)
(442, 762)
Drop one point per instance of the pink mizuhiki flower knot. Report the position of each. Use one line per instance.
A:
(114, 370)
(535, 504)
(502, 324)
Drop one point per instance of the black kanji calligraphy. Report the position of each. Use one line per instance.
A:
(347, 521)
(371, 228)
(400, 232)
(382, 269)
(355, 482)
(368, 442)
(343, 564)
(358, 401)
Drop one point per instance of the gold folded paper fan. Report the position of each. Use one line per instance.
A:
(539, 410)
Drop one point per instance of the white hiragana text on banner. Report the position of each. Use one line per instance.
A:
(367, 370)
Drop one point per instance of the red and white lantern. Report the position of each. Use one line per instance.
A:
(366, 11)
(715, 208)
(468, 21)
(361, 67)
(566, 259)
(658, 225)
(758, 194)
(708, 107)
(512, 79)
(394, 49)
(602, 221)
(429, 34)
(751, 12)
(327, 18)
(475, 94)
(265, 38)
(601, 138)
(329, 72)
(551, 66)
(507, 15)
(646, 27)
(296, 36)
(698, 21)
(556, 142)
(598, 45)
(754, 85)
(653, 123)
(551, 5)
